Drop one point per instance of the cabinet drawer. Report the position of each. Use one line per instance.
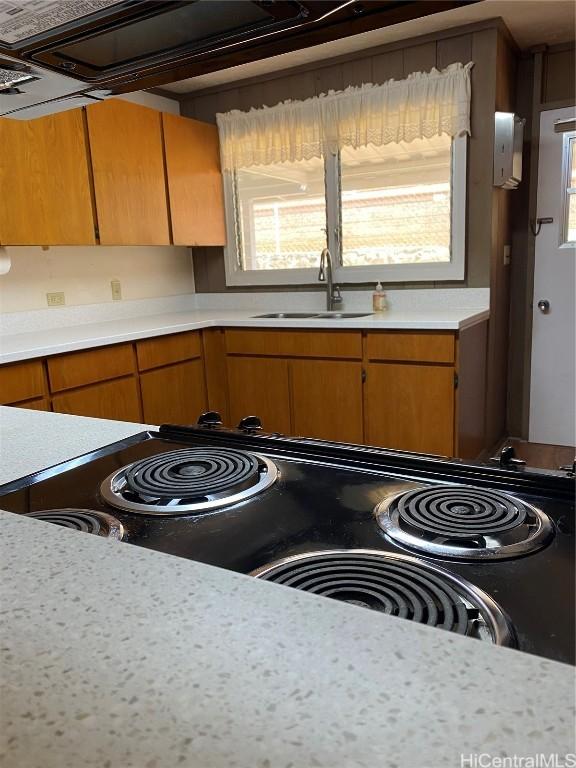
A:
(89, 367)
(163, 350)
(21, 381)
(111, 400)
(292, 343)
(419, 347)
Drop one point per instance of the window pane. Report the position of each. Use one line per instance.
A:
(571, 233)
(281, 214)
(396, 202)
(572, 179)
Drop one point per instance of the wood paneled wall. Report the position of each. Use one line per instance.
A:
(477, 43)
(546, 80)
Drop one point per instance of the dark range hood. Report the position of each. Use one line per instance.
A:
(66, 53)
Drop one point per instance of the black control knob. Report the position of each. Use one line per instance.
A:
(210, 419)
(250, 424)
(507, 458)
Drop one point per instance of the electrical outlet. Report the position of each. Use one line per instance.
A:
(116, 290)
(56, 299)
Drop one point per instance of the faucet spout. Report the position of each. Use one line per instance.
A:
(325, 276)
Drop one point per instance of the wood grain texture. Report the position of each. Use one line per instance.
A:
(129, 176)
(327, 399)
(214, 348)
(21, 381)
(410, 407)
(116, 399)
(259, 387)
(44, 180)
(426, 347)
(471, 392)
(38, 404)
(194, 181)
(163, 350)
(293, 343)
(175, 394)
(76, 369)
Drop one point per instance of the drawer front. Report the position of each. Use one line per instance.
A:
(292, 343)
(21, 381)
(417, 347)
(163, 350)
(89, 367)
(110, 400)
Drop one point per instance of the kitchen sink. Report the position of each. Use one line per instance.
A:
(340, 315)
(312, 315)
(287, 315)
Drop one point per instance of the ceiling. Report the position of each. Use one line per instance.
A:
(531, 22)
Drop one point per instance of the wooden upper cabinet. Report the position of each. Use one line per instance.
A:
(129, 175)
(44, 181)
(194, 181)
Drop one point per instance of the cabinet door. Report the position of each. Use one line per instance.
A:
(175, 394)
(327, 399)
(259, 387)
(194, 181)
(44, 181)
(129, 178)
(410, 407)
(116, 399)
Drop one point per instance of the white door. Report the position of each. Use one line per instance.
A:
(553, 378)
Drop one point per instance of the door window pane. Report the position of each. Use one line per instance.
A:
(281, 214)
(570, 220)
(396, 203)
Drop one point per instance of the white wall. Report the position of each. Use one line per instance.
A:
(84, 274)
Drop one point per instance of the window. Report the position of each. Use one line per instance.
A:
(390, 213)
(569, 191)
(375, 172)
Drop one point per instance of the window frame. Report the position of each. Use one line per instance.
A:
(386, 273)
(568, 147)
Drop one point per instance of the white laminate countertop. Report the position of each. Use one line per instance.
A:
(41, 343)
(115, 656)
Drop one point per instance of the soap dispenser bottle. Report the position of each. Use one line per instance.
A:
(379, 299)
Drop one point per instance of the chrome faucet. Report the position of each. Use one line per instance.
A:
(333, 296)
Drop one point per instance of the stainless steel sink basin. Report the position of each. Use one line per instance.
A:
(340, 315)
(312, 315)
(287, 315)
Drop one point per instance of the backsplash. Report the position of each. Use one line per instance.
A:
(84, 273)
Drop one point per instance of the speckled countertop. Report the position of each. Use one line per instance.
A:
(115, 656)
(40, 343)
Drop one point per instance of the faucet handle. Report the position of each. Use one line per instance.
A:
(336, 295)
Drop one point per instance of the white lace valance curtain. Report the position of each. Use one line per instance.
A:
(423, 105)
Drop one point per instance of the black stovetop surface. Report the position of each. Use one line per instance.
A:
(324, 499)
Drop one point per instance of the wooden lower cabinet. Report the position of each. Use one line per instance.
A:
(327, 399)
(39, 404)
(21, 381)
(117, 399)
(175, 394)
(410, 407)
(259, 387)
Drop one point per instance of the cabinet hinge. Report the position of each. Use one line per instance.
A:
(363, 375)
(455, 380)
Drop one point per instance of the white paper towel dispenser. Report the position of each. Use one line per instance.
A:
(508, 138)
